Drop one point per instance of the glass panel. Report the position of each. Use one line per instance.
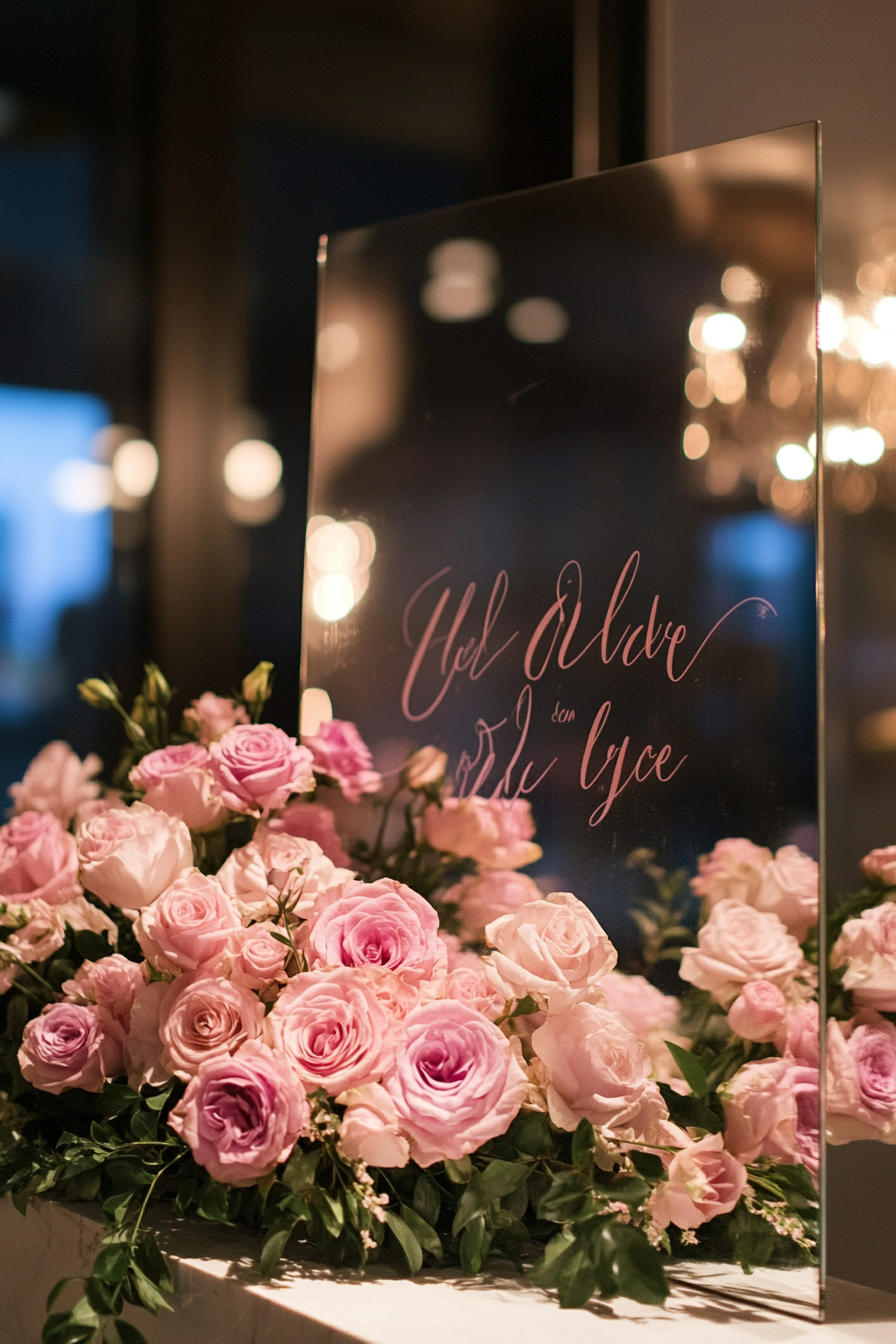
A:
(562, 528)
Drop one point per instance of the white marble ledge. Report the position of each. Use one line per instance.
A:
(221, 1301)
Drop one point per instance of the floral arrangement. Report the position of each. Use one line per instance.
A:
(404, 1048)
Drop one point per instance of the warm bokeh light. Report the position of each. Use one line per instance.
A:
(252, 469)
(794, 462)
(697, 389)
(339, 556)
(867, 446)
(695, 441)
(725, 376)
(338, 345)
(135, 467)
(723, 331)
(77, 486)
(334, 547)
(537, 321)
(831, 323)
(838, 443)
(741, 285)
(315, 710)
(333, 596)
(885, 313)
(464, 275)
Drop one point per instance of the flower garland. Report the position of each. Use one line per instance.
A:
(404, 1047)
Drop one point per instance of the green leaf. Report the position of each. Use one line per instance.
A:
(648, 1165)
(301, 1170)
(153, 1263)
(427, 1200)
(413, 1252)
(116, 1097)
(57, 1289)
(83, 1187)
(583, 1142)
(531, 1133)
(213, 1202)
(577, 1277)
(690, 1112)
(144, 1126)
(127, 1174)
(474, 1245)
(281, 938)
(104, 1298)
(91, 946)
(568, 1198)
(635, 1265)
(428, 1238)
(631, 1190)
(525, 1007)
(274, 1245)
(692, 1071)
(158, 1101)
(186, 1197)
(127, 1333)
(460, 1172)
(147, 1291)
(60, 1328)
(116, 1207)
(331, 1211)
(111, 1265)
(498, 1179)
(544, 1272)
(796, 1178)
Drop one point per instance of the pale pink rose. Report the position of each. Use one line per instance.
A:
(798, 1036)
(380, 923)
(38, 860)
(211, 715)
(255, 958)
(369, 1131)
(56, 781)
(739, 944)
(867, 947)
(468, 985)
(758, 1012)
(704, 1181)
(880, 864)
(144, 1046)
(732, 872)
(496, 832)
(258, 766)
(426, 766)
(597, 1069)
(456, 953)
(312, 821)
(771, 1110)
(178, 780)
(110, 801)
(643, 1008)
(456, 1083)
(204, 1016)
(188, 927)
(276, 865)
(333, 1029)
(553, 949)
(861, 1093)
(112, 982)
(129, 857)
(81, 914)
(340, 753)
(72, 1045)
(241, 1115)
(41, 936)
(397, 996)
(789, 889)
(484, 897)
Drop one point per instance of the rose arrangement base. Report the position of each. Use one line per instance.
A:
(219, 1297)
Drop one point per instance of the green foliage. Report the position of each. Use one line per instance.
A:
(667, 916)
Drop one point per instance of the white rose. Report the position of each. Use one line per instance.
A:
(129, 856)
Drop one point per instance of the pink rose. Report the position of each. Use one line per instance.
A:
(111, 800)
(71, 1045)
(56, 781)
(880, 865)
(188, 927)
(112, 983)
(340, 753)
(255, 958)
(178, 780)
(38, 860)
(798, 1036)
(771, 1110)
(312, 821)
(80, 914)
(41, 936)
(484, 897)
(241, 1115)
(204, 1016)
(704, 1181)
(468, 985)
(789, 889)
(144, 1046)
(867, 947)
(333, 1029)
(594, 1067)
(861, 1093)
(275, 865)
(758, 1012)
(496, 832)
(457, 955)
(426, 766)
(212, 715)
(397, 996)
(642, 1008)
(369, 1131)
(739, 944)
(380, 923)
(553, 949)
(456, 1084)
(129, 857)
(258, 766)
(732, 872)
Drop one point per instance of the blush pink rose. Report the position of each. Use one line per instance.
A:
(867, 948)
(144, 1044)
(312, 821)
(333, 1029)
(771, 1110)
(496, 832)
(130, 856)
(38, 860)
(258, 766)
(553, 949)
(468, 985)
(394, 992)
(426, 766)
(380, 923)
(41, 936)
(205, 1016)
(799, 1033)
(593, 1067)
(484, 897)
(642, 1008)
(57, 781)
(255, 958)
(80, 914)
(241, 1115)
(112, 983)
(704, 1181)
(341, 755)
(456, 953)
(789, 889)
(370, 1131)
(861, 1092)
(178, 780)
(738, 944)
(188, 927)
(275, 865)
(732, 872)
(72, 1045)
(758, 1012)
(880, 865)
(212, 715)
(456, 1083)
